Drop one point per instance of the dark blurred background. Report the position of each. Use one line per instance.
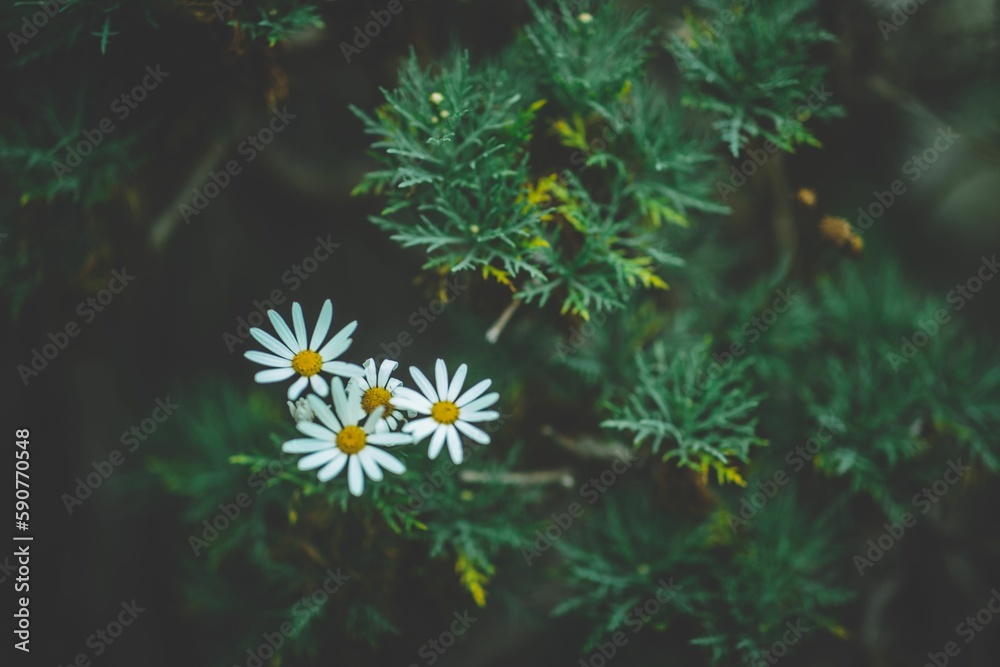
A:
(164, 332)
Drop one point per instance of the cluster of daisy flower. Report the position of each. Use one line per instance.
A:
(373, 412)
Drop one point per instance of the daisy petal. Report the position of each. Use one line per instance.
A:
(423, 383)
(314, 461)
(266, 359)
(406, 398)
(271, 343)
(370, 372)
(355, 478)
(387, 461)
(343, 369)
(297, 388)
(421, 428)
(354, 405)
(273, 375)
(322, 325)
(480, 403)
(368, 464)
(437, 442)
(340, 400)
(314, 430)
(485, 416)
(474, 393)
(454, 444)
(305, 445)
(441, 375)
(393, 384)
(476, 434)
(340, 342)
(390, 439)
(385, 370)
(318, 385)
(299, 323)
(333, 468)
(456, 382)
(334, 349)
(373, 419)
(284, 333)
(325, 414)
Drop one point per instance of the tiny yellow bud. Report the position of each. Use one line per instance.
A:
(807, 196)
(436, 98)
(585, 17)
(444, 113)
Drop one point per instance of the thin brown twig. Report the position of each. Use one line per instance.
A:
(590, 448)
(493, 333)
(561, 476)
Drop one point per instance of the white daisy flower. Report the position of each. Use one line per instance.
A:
(340, 440)
(378, 389)
(305, 357)
(449, 413)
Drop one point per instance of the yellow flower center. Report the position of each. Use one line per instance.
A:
(351, 439)
(375, 397)
(307, 363)
(444, 412)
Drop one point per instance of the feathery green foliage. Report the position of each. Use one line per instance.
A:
(739, 590)
(686, 410)
(463, 182)
(750, 65)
